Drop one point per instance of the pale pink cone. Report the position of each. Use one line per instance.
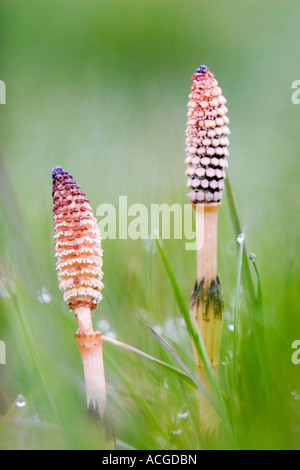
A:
(207, 139)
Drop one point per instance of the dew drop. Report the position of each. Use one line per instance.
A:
(183, 415)
(172, 328)
(44, 297)
(20, 401)
(161, 441)
(241, 238)
(177, 432)
(3, 291)
(103, 325)
(150, 245)
(231, 327)
(295, 394)
(7, 287)
(111, 334)
(252, 257)
(158, 329)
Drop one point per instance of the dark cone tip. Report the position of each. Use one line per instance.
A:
(58, 172)
(202, 69)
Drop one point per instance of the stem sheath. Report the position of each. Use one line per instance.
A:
(207, 304)
(90, 347)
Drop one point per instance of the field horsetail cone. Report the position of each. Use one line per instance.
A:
(79, 264)
(207, 141)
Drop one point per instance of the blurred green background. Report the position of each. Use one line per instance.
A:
(101, 87)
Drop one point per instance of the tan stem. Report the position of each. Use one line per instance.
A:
(206, 216)
(83, 317)
(203, 307)
(90, 347)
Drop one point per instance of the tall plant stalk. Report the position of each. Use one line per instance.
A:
(79, 254)
(90, 347)
(206, 150)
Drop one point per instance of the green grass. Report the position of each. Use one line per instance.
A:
(101, 89)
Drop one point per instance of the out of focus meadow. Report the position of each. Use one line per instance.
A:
(101, 88)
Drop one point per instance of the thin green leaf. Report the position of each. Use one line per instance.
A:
(259, 296)
(7, 415)
(246, 273)
(190, 324)
(144, 407)
(259, 334)
(123, 445)
(172, 369)
(254, 301)
(186, 369)
(236, 307)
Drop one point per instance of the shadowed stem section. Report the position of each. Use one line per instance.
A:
(207, 303)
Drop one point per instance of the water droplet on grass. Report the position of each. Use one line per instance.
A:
(172, 328)
(252, 257)
(150, 245)
(231, 327)
(44, 297)
(241, 238)
(103, 325)
(3, 291)
(7, 287)
(295, 394)
(158, 329)
(20, 401)
(111, 334)
(177, 432)
(226, 362)
(155, 233)
(183, 415)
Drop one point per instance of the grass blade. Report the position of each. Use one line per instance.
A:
(141, 402)
(255, 301)
(185, 368)
(246, 273)
(123, 445)
(236, 307)
(191, 324)
(191, 328)
(259, 297)
(172, 369)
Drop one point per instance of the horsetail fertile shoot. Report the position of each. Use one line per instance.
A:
(207, 141)
(79, 262)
